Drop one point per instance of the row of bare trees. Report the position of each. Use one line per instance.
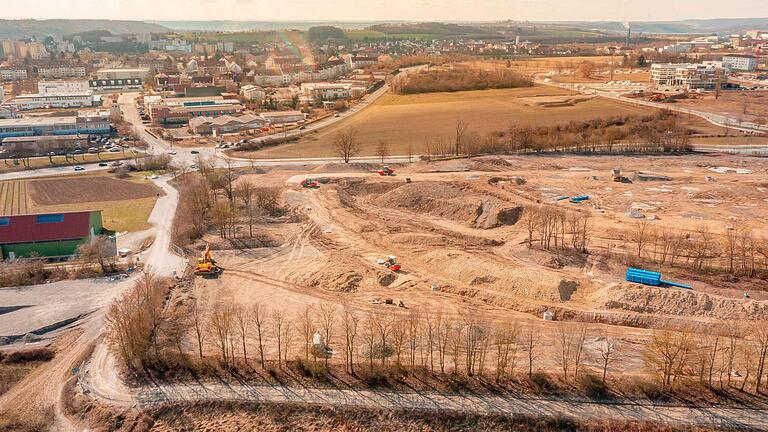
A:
(143, 333)
(738, 251)
(634, 134)
(730, 355)
(555, 227)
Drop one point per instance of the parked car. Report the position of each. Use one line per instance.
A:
(79, 168)
(172, 152)
(93, 150)
(194, 166)
(195, 152)
(114, 149)
(116, 163)
(103, 164)
(154, 177)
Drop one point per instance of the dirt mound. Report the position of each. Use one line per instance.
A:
(341, 281)
(445, 200)
(496, 282)
(677, 302)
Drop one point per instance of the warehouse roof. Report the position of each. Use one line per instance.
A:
(44, 227)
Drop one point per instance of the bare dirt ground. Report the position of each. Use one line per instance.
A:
(750, 106)
(455, 228)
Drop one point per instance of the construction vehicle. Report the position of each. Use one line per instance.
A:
(618, 176)
(206, 265)
(386, 171)
(390, 263)
(309, 183)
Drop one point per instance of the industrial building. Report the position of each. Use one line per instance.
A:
(49, 235)
(122, 73)
(115, 85)
(252, 92)
(59, 86)
(181, 110)
(283, 117)
(53, 100)
(226, 124)
(83, 123)
(42, 145)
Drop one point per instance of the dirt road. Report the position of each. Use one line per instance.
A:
(104, 385)
(28, 396)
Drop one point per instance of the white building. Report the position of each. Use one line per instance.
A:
(326, 91)
(740, 62)
(689, 75)
(12, 74)
(122, 73)
(116, 85)
(283, 117)
(52, 100)
(48, 87)
(61, 71)
(252, 92)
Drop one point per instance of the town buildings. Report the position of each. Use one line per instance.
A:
(11, 73)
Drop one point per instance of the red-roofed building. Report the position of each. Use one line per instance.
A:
(49, 234)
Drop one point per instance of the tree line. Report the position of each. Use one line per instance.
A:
(657, 133)
(458, 77)
(149, 337)
(219, 198)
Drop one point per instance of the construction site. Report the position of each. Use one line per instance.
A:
(469, 235)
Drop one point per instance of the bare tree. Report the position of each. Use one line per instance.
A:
(327, 317)
(607, 351)
(259, 315)
(245, 191)
(639, 235)
(307, 326)
(505, 340)
(531, 344)
(241, 324)
(382, 150)
(220, 323)
(460, 136)
(350, 322)
(100, 250)
(279, 324)
(666, 355)
(761, 337)
(347, 144)
(197, 322)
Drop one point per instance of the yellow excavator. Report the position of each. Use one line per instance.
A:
(206, 265)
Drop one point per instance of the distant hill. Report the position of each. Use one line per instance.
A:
(429, 28)
(63, 27)
(691, 26)
(239, 26)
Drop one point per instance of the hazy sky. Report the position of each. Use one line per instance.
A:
(344, 10)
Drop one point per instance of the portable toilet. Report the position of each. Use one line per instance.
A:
(548, 315)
